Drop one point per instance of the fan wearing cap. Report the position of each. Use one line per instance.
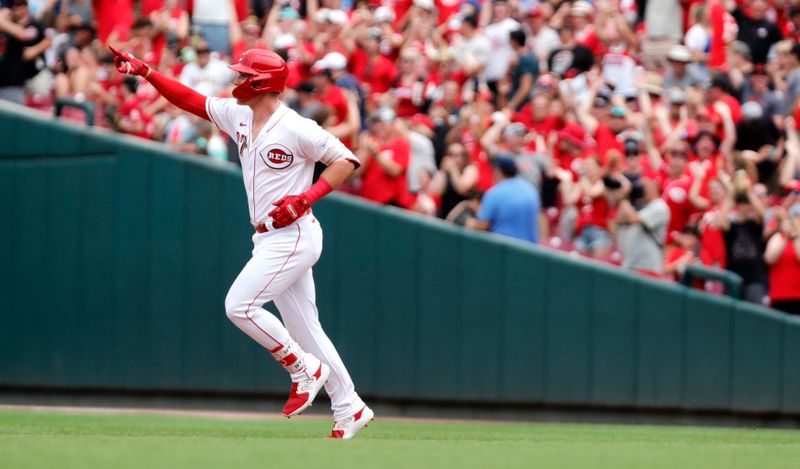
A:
(679, 74)
(663, 28)
(606, 130)
(757, 88)
(504, 139)
(324, 72)
(208, 75)
(24, 41)
(278, 150)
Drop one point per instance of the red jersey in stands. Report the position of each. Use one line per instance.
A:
(676, 194)
(446, 9)
(160, 40)
(712, 241)
(592, 211)
(377, 72)
(542, 127)
(380, 187)
(723, 32)
(606, 140)
(131, 110)
(335, 98)
(409, 95)
(478, 156)
(784, 275)
(149, 6)
(113, 15)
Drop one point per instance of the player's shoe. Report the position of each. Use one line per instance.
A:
(303, 392)
(349, 427)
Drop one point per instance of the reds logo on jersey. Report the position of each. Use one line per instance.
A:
(277, 156)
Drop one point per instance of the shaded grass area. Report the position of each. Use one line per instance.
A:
(57, 440)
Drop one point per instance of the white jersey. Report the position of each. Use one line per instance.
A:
(279, 161)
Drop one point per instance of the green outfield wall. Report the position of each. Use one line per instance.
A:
(115, 258)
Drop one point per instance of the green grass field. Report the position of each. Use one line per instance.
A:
(59, 440)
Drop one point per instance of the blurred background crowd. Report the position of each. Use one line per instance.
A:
(652, 134)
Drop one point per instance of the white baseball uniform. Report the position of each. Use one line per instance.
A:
(277, 162)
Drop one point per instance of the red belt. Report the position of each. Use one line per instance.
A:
(262, 228)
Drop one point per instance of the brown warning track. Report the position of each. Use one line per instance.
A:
(214, 414)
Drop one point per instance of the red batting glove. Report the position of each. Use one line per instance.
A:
(292, 207)
(127, 63)
(289, 209)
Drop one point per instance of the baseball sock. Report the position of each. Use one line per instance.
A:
(299, 364)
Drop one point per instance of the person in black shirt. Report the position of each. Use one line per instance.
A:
(571, 58)
(22, 41)
(744, 238)
(755, 30)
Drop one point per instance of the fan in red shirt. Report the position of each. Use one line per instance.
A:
(589, 196)
(723, 32)
(536, 115)
(677, 189)
(113, 17)
(409, 90)
(131, 118)
(373, 69)
(385, 155)
(782, 255)
(170, 24)
(328, 93)
(712, 241)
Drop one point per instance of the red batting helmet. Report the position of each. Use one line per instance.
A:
(268, 73)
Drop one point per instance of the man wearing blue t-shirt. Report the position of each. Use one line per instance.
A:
(511, 207)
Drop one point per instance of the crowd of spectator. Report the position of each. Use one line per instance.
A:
(653, 134)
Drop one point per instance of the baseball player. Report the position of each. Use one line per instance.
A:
(278, 149)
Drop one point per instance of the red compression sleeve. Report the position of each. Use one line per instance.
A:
(320, 189)
(179, 94)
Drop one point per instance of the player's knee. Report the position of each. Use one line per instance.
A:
(233, 308)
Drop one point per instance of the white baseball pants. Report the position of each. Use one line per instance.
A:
(280, 270)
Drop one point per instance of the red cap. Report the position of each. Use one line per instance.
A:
(573, 133)
(422, 119)
(535, 12)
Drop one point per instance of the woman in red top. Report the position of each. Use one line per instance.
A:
(782, 256)
(589, 195)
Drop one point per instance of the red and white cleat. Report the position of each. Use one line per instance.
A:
(349, 427)
(303, 392)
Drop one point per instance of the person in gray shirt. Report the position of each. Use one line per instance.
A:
(793, 78)
(679, 73)
(642, 221)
